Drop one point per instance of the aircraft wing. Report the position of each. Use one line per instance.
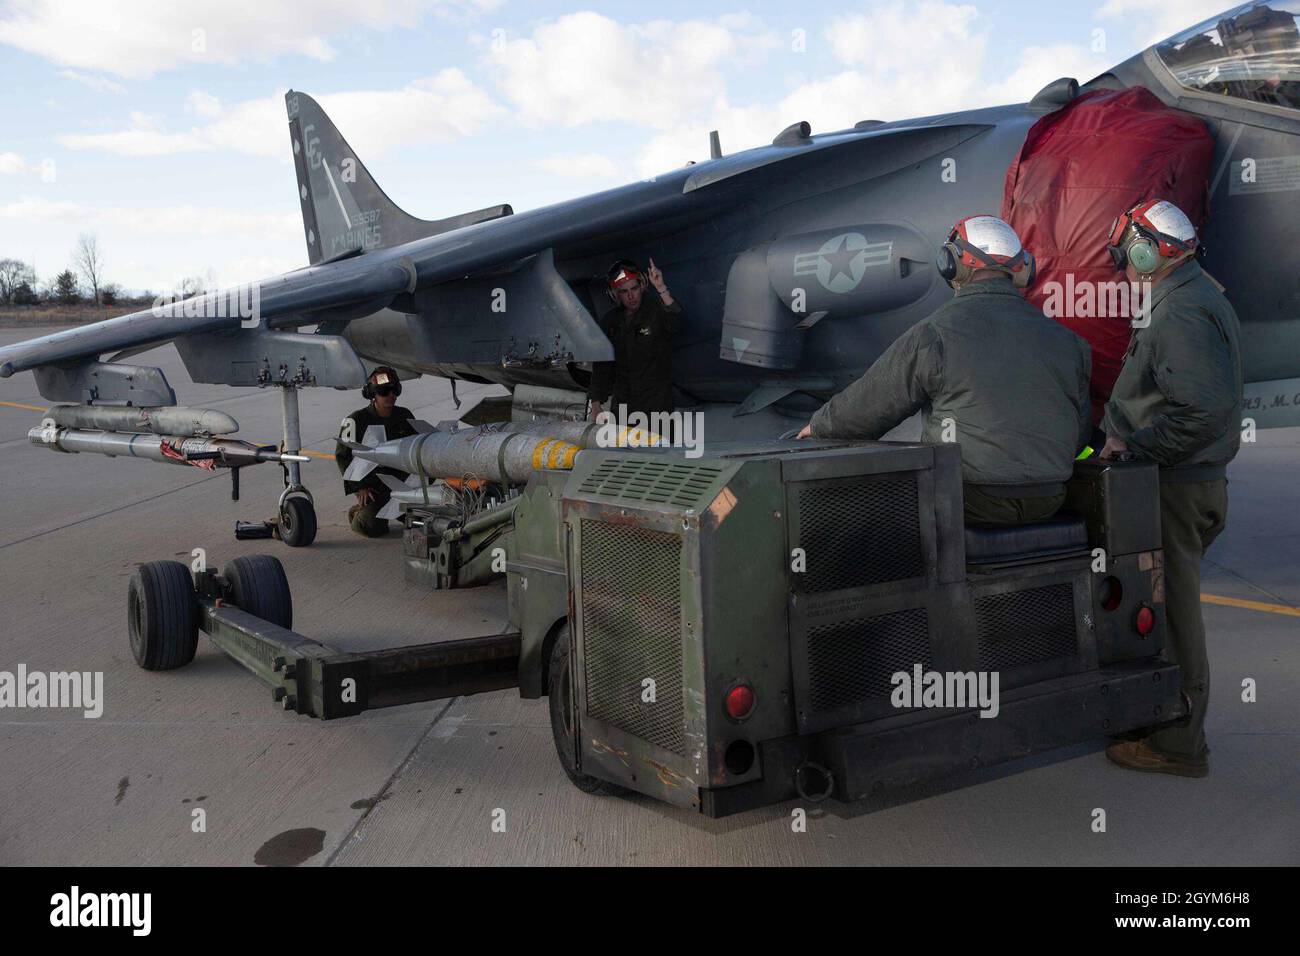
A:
(294, 295)
(365, 282)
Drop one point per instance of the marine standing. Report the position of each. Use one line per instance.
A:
(641, 329)
(1177, 402)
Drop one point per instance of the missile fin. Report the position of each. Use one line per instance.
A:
(358, 469)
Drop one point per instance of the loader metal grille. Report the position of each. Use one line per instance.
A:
(860, 532)
(631, 630)
(852, 661)
(653, 480)
(1026, 627)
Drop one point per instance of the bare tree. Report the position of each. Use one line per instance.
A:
(12, 273)
(190, 286)
(89, 261)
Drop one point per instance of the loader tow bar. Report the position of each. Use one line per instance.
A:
(311, 678)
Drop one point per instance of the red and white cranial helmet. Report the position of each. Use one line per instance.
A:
(624, 274)
(1160, 222)
(985, 242)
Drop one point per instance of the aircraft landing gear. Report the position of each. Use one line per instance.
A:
(295, 521)
(296, 526)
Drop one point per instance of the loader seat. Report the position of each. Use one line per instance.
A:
(1063, 534)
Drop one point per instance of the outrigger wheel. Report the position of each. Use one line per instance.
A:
(560, 689)
(162, 615)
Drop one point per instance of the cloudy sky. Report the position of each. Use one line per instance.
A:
(159, 125)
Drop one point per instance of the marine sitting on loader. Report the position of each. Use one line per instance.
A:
(991, 372)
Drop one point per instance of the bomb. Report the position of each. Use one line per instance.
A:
(508, 453)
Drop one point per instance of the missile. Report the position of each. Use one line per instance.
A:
(582, 434)
(510, 458)
(175, 449)
(414, 493)
(171, 420)
(508, 452)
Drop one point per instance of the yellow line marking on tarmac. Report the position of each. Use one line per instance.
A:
(1250, 605)
(30, 408)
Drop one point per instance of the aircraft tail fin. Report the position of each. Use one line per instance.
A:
(344, 212)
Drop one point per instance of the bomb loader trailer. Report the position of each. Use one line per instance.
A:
(721, 632)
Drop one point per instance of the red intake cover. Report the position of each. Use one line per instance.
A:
(1080, 167)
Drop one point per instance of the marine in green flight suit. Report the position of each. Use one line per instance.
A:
(1177, 402)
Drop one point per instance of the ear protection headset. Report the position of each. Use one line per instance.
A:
(1145, 246)
(620, 273)
(387, 375)
(959, 259)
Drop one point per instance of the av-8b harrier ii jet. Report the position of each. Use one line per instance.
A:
(796, 263)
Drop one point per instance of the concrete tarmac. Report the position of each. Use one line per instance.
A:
(422, 784)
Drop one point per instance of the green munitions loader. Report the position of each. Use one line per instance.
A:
(765, 622)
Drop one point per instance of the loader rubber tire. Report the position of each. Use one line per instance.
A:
(162, 615)
(562, 720)
(258, 585)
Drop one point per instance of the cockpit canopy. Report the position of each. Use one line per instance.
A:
(1252, 52)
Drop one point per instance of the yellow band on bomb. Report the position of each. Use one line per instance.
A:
(554, 453)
